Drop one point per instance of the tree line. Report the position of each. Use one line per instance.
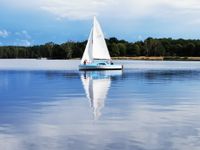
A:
(117, 48)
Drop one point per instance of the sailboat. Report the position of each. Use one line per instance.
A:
(96, 55)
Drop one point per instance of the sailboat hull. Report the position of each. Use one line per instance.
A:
(100, 67)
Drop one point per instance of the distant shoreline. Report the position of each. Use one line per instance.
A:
(145, 58)
(153, 58)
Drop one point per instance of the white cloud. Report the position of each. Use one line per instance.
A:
(4, 33)
(174, 18)
(130, 9)
(22, 42)
(76, 9)
(140, 37)
(25, 43)
(85, 9)
(23, 34)
(19, 38)
(22, 38)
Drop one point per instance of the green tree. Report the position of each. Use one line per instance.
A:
(114, 50)
(122, 49)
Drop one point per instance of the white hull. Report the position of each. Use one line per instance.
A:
(100, 67)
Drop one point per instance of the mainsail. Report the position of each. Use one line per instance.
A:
(96, 47)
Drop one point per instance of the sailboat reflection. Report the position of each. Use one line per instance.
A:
(97, 85)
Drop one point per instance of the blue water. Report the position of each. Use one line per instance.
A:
(147, 106)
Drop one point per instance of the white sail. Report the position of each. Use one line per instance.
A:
(96, 47)
(100, 50)
(87, 55)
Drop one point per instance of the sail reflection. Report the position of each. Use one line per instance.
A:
(96, 85)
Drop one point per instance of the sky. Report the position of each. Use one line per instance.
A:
(28, 22)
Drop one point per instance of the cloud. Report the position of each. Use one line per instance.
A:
(121, 9)
(23, 34)
(19, 38)
(85, 9)
(4, 33)
(25, 43)
(156, 8)
(76, 9)
(22, 42)
(156, 18)
(22, 38)
(140, 37)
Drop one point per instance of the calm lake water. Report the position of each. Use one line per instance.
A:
(50, 105)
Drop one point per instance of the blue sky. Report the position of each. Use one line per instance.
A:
(28, 22)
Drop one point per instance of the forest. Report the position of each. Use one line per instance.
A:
(118, 48)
